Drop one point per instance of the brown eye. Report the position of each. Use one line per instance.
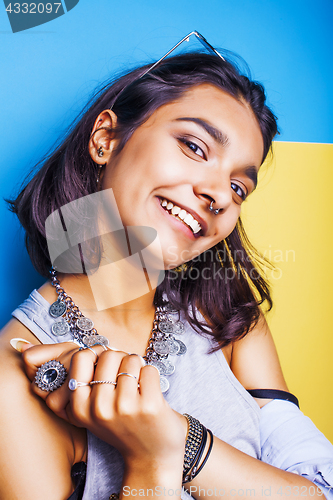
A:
(193, 147)
(238, 190)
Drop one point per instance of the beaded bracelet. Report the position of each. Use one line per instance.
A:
(193, 443)
(194, 448)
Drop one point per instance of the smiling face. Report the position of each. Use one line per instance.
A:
(205, 146)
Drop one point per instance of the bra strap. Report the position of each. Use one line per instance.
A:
(273, 394)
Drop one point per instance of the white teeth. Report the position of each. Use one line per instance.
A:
(182, 214)
(175, 210)
(187, 218)
(197, 227)
(194, 225)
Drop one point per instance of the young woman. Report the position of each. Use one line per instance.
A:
(176, 149)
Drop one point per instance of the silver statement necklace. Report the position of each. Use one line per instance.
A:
(161, 345)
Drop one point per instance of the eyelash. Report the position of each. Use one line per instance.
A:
(235, 187)
(189, 143)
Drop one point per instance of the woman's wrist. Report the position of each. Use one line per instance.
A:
(156, 467)
(198, 446)
(153, 476)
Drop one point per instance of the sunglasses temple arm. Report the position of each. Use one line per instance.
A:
(206, 44)
(169, 52)
(197, 35)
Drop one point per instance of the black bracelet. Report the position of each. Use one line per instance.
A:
(193, 443)
(207, 454)
(195, 447)
(191, 473)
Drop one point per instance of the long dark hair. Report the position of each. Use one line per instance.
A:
(230, 306)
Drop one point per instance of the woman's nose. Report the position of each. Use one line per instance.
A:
(218, 196)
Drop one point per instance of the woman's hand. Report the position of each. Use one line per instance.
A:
(132, 415)
(135, 419)
(34, 356)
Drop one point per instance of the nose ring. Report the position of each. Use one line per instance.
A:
(214, 210)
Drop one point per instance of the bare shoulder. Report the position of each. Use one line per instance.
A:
(37, 449)
(255, 361)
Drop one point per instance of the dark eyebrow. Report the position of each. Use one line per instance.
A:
(221, 138)
(215, 133)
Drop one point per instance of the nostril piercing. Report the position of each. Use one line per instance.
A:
(214, 210)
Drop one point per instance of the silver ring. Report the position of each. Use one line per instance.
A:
(214, 210)
(104, 347)
(93, 350)
(99, 343)
(114, 349)
(74, 384)
(50, 375)
(103, 382)
(84, 348)
(128, 375)
(141, 358)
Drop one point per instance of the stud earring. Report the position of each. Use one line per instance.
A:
(100, 151)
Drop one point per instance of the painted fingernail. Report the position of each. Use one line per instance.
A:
(18, 344)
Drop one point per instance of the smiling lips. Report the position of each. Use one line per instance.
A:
(182, 215)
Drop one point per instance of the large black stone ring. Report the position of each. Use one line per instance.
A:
(50, 376)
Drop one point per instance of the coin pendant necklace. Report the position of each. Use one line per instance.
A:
(162, 343)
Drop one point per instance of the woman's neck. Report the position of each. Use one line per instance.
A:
(127, 325)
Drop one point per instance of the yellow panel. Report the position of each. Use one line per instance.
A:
(290, 219)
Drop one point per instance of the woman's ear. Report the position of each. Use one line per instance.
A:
(102, 140)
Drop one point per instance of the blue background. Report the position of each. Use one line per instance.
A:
(48, 72)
